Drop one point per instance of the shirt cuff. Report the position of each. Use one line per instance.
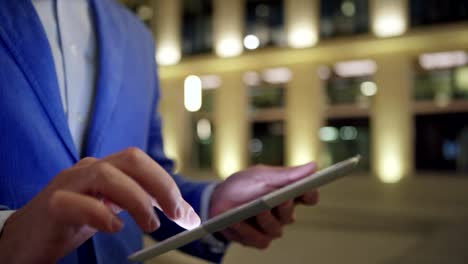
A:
(3, 217)
(216, 246)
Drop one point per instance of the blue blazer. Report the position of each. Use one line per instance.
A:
(35, 141)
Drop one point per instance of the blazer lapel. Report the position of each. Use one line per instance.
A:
(22, 32)
(111, 39)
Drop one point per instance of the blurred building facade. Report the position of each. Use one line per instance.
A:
(283, 82)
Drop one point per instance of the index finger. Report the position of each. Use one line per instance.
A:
(157, 182)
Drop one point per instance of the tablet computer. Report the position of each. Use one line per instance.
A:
(249, 209)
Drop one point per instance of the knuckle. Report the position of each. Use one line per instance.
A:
(133, 154)
(88, 160)
(101, 169)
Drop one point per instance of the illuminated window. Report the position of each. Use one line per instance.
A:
(197, 27)
(344, 138)
(441, 77)
(428, 12)
(350, 83)
(264, 23)
(266, 88)
(343, 17)
(267, 100)
(203, 126)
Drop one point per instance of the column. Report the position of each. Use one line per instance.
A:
(176, 122)
(304, 115)
(166, 25)
(389, 17)
(228, 27)
(392, 119)
(231, 125)
(302, 22)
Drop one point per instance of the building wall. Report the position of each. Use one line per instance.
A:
(390, 44)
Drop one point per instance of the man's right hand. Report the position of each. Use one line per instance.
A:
(85, 199)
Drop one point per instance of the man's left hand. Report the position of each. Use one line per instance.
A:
(250, 184)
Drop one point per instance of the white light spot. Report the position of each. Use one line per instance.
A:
(368, 88)
(256, 146)
(355, 68)
(203, 129)
(277, 75)
(192, 93)
(443, 60)
(348, 133)
(251, 42)
(348, 8)
(328, 134)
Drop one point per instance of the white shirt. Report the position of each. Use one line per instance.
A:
(69, 28)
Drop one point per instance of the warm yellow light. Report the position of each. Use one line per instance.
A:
(171, 150)
(390, 161)
(389, 24)
(390, 170)
(229, 163)
(461, 79)
(302, 154)
(229, 47)
(192, 93)
(302, 36)
(167, 54)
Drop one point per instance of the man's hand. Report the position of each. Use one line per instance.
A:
(250, 184)
(85, 199)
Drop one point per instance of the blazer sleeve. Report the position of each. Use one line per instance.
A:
(191, 191)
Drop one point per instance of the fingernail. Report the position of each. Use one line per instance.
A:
(188, 218)
(180, 209)
(193, 218)
(116, 224)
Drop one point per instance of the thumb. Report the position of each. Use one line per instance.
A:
(280, 177)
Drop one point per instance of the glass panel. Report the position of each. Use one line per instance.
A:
(357, 90)
(441, 85)
(265, 96)
(267, 143)
(343, 17)
(265, 20)
(428, 12)
(344, 138)
(203, 142)
(197, 29)
(442, 142)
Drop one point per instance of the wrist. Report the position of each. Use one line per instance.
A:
(21, 242)
(8, 243)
